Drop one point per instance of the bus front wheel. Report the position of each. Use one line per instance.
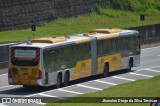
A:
(106, 70)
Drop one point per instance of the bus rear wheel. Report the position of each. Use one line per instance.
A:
(66, 79)
(129, 66)
(59, 81)
(106, 70)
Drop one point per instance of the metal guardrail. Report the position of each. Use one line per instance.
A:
(150, 33)
(4, 55)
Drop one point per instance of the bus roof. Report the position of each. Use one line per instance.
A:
(106, 31)
(78, 38)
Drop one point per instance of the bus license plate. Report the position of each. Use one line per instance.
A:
(19, 77)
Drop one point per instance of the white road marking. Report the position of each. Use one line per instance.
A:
(141, 74)
(154, 67)
(3, 74)
(42, 94)
(47, 91)
(46, 95)
(69, 91)
(31, 95)
(6, 86)
(148, 69)
(151, 48)
(104, 82)
(89, 87)
(123, 78)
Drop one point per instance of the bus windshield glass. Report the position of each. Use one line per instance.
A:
(24, 56)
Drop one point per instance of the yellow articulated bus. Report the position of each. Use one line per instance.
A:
(57, 60)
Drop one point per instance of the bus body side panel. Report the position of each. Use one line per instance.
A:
(114, 60)
(126, 46)
(88, 67)
(134, 52)
(82, 69)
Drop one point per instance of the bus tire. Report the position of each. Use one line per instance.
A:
(106, 70)
(59, 81)
(130, 64)
(66, 79)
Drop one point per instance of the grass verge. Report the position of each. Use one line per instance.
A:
(105, 18)
(140, 88)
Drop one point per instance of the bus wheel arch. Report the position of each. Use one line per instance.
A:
(66, 78)
(59, 80)
(106, 69)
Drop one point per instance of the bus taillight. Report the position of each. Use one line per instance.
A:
(12, 54)
(39, 74)
(9, 73)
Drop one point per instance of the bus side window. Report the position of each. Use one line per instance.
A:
(121, 43)
(48, 60)
(117, 47)
(109, 46)
(99, 47)
(88, 50)
(104, 46)
(65, 54)
(74, 52)
(84, 51)
(45, 61)
(126, 43)
(59, 55)
(113, 45)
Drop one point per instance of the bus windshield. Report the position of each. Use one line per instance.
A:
(24, 56)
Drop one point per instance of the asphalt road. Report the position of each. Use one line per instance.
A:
(150, 67)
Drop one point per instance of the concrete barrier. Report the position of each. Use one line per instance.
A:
(150, 33)
(4, 54)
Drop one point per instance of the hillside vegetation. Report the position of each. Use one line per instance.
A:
(139, 6)
(109, 14)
